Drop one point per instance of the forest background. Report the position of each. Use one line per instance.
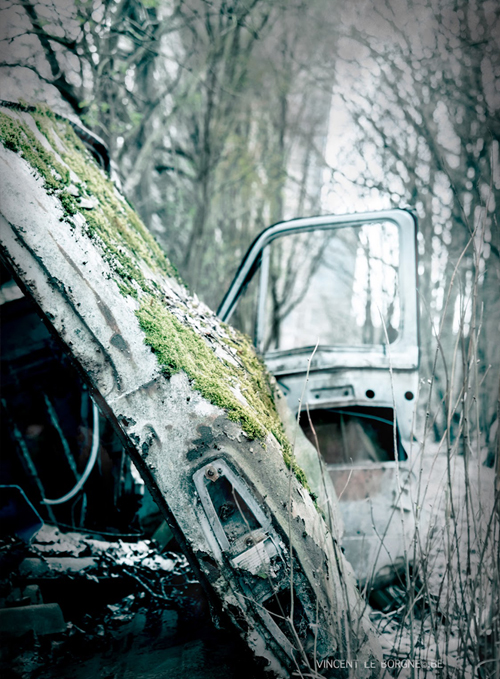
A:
(223, 117)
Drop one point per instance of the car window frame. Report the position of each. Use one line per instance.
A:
(403, 353)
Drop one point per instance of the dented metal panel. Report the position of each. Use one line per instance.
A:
(256, 540)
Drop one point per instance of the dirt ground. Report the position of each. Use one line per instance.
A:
(129, 612)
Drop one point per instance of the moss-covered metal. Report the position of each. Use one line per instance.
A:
(126, 244)
(124, 240)
(178, 347)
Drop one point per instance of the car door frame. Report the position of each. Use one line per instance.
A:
(403, 353)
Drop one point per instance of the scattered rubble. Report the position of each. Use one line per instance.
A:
(78, 606)
(54, 554)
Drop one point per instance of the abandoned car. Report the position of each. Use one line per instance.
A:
(178, 391)
(331, 304)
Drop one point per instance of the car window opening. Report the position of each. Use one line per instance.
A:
(234, 514)
(354, 436)
(340, 286)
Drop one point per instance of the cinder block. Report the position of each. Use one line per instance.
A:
(42, 619)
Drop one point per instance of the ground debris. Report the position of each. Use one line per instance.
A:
(53, 554)
(108, 604)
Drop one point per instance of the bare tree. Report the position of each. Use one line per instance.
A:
(419, 82)
(215, 113)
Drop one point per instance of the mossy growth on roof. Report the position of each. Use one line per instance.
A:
(242, 389)
(245, 392)
(123, 239)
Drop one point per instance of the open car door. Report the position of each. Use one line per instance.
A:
(339, 292)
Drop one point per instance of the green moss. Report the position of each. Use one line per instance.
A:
(127, 246)
(124, 240)
(117, 224)
(68, 203)
(17, 137)
(178, 347)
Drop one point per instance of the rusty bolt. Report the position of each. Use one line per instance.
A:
(211, 474)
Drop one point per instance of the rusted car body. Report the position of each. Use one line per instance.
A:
(331, 304)
(187, 398)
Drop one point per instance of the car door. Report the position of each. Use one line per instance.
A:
(336, 295)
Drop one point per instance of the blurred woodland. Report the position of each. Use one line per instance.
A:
(223, 117)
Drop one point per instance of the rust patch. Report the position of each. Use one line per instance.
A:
(202, 444)
(211, 569)
(40, 205)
